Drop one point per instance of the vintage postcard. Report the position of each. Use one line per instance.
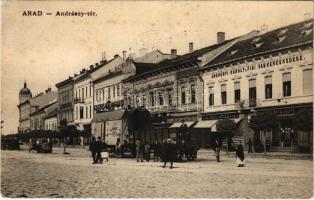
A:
(157, 99)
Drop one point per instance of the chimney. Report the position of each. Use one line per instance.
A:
(264, 29)
(124, 55)
(191, 47)
(116, 56)
(220, 37)
(48, 90)
(91, 67)
(96, 65)
(173, 52)
(103, 55)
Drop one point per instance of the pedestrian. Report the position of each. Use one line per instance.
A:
(157, 150)
(250, 144)
(147, 152)
(170, 153)
(105, 154)
(217, 150)
(240, 155)
(99, 146)
(139, 152)
(92, 148)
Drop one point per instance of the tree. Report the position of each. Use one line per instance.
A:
(262, 122)
(227, 126)
(304, 120)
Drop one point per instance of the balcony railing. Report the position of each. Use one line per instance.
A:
(248, 103)
(78, 100)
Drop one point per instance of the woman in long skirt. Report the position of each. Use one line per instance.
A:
(240, 156)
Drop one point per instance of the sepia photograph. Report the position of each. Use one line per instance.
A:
(157, 99)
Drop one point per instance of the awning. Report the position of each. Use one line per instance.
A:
(205, 124)
(108, 116)
(178, 124)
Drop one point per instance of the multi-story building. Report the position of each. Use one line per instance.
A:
(51, 119)
(173, 89)
(271, 72)
(110, 94)
(65, 101)
(24, 110)
(30, 105)
(83, 100)
(38, 118)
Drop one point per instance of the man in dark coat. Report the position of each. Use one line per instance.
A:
(92, 148)
(99, 146)
(240, 155)
(170, 153)
(157, 150)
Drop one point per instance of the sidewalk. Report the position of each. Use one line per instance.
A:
(268, 155)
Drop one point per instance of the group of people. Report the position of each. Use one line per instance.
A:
(166, 151)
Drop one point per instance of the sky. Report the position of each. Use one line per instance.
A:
(44, 50)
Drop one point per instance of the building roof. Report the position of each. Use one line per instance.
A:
(52, 105)
(25, 91)
(147, 68)
(43, 100)
(280, 38)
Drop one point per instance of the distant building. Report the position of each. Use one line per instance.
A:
(38, 118)
(29, 105)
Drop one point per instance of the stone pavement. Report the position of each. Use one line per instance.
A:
(26, 174)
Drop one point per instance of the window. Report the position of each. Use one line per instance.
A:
(252, 93)
(79, 93)
(223, 94)
(86, 91)
(76, 113)
(86, 113)
(182, 95)
(118, 90)
(103, 96)
(211, 96)
(82, 94)
(268, 88)
(307, 82)
(152, 98)
(237, 92)
(161, 99)
(192, 93)
(90, 111)
(81, 112)
(109, 96)
(286, 84)
(169, 97)
(113, 92)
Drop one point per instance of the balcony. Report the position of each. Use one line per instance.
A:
(248, 103)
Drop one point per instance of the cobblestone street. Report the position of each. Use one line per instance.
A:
(26, 174)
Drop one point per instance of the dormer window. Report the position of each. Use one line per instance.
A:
(257, 45)
(281, 38)
(307, 25)
(233, 52)
(306, 32)
(256, 40)
(282, 32)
